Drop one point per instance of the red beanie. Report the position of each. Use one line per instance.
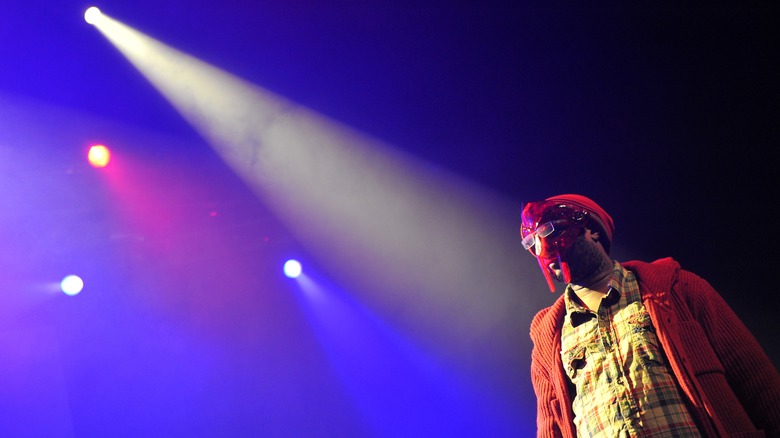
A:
(599, 215)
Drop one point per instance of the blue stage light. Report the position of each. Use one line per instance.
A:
(292, 268)
(72, 285)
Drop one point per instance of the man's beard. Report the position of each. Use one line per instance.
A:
(586, 260)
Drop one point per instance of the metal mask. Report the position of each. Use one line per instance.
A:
(549, 228)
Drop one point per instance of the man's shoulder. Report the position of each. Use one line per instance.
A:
(663, 264)
(659, 274)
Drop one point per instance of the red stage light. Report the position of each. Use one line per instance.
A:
(99, 155)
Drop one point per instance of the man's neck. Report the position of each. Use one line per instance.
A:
(591, 292)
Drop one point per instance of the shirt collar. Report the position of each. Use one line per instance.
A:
(616, 283)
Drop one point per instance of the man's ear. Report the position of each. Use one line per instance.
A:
(595, 235)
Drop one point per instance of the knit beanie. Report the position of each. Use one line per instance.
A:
(598, 214)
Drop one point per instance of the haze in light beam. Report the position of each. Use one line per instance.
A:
(425, 240)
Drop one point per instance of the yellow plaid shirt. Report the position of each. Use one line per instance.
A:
(613, 359)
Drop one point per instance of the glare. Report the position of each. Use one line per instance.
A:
(99, 156)
(292, 268)
(72, 285)
(93, 15)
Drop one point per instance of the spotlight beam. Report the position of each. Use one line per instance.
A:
(437, 244)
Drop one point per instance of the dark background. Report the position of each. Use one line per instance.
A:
(667, 115)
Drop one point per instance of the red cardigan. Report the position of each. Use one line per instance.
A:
(730, 383)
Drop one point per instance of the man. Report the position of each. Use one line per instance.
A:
(637, 349)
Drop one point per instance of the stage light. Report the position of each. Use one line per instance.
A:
(99, 156)
(72, 285)
(93, 15)
(292, 268)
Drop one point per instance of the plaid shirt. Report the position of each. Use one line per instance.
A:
(622, 381)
